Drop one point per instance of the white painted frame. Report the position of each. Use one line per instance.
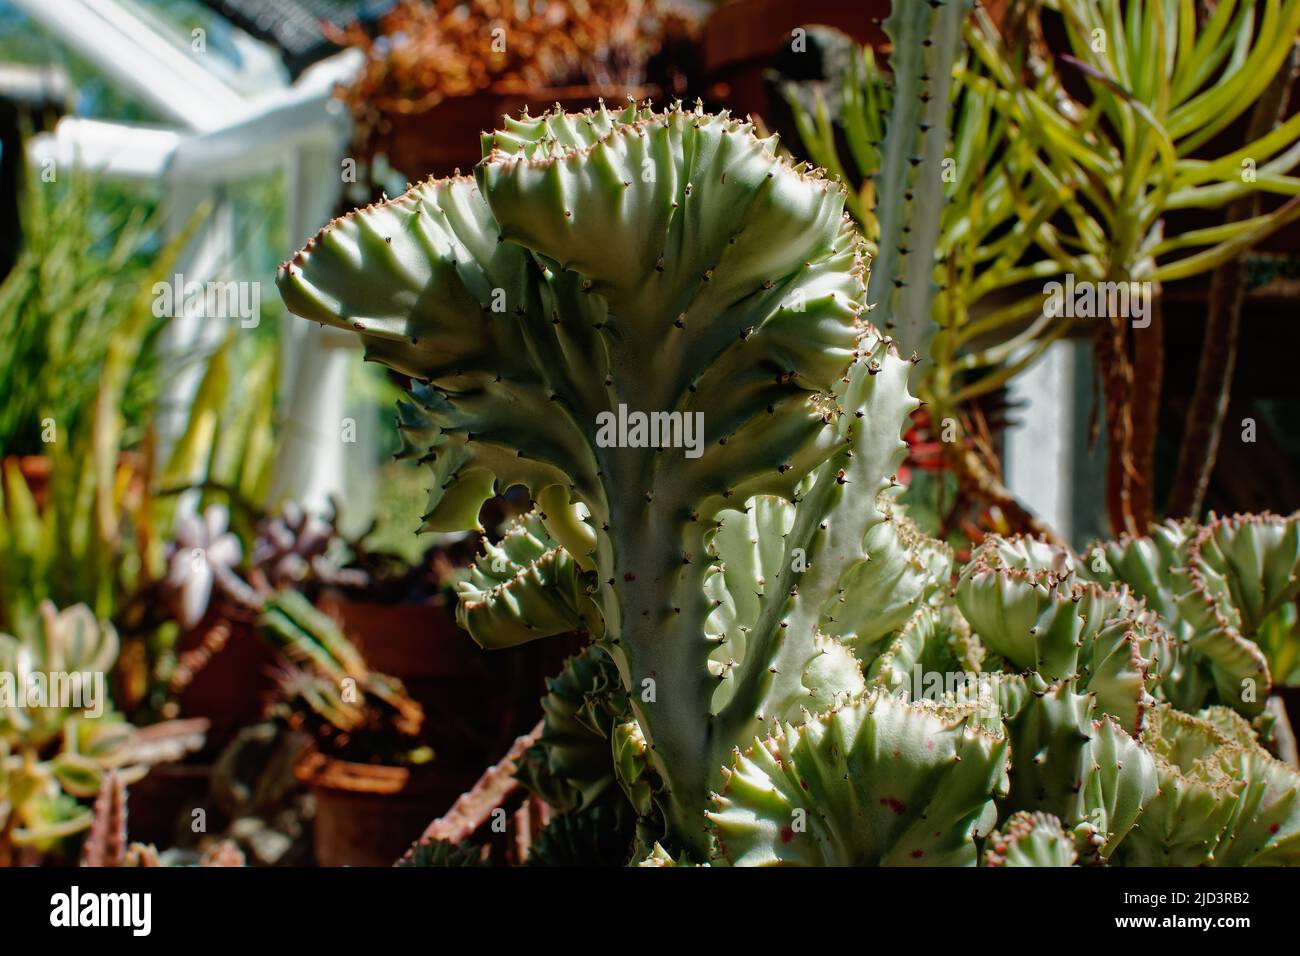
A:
(299, 131)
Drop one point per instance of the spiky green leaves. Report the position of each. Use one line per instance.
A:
(834, 533)
(754, 561)
(1222, 799)
(903, 567)
(1087, 772)
(1250, 564)
(331, 689)
(570, 764)
(1123, 661)
(1216, 587)
(878, 781)
(665, 213)
(1018, 597)
(750, 550)
(657, 856)
(433, 292)
(600, 837)
(442, 853)
(930, 656)
(633, 768)
(668, 261)
(667, 265)
(670, 264)
(1240, 570)
(1015, 595)
(1148, 565)
(536, 137)
(523, 587)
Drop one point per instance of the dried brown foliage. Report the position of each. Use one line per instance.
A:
(428, 50)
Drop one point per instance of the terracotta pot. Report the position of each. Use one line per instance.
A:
(475, 702)
(437, 140)
(410, 640)
(369, 814)
(741, 39)
(234, 681)
(35, 469)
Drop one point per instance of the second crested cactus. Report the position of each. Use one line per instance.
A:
(757, 612)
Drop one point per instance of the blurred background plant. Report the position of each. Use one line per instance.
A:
(88, 512)
(162, 472)
(326, 690)
(107, 842)
(1131, 116)
(459, 66)
(1078, 133)
(79, 387)
(54, 753)
(85, 261)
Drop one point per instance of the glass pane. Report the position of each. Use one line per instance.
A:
(245, 64)
(26, 43)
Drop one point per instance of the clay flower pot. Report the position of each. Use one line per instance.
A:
(368, 814)
(223, 674)
(475, 701)
(36, 470)
(412, 640)
(741, 39)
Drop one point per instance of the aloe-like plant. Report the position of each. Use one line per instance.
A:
(67, 312)
(761, 609)
(326, 691)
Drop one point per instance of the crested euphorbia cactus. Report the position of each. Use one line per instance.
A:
(671, 263)
(759, 604)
